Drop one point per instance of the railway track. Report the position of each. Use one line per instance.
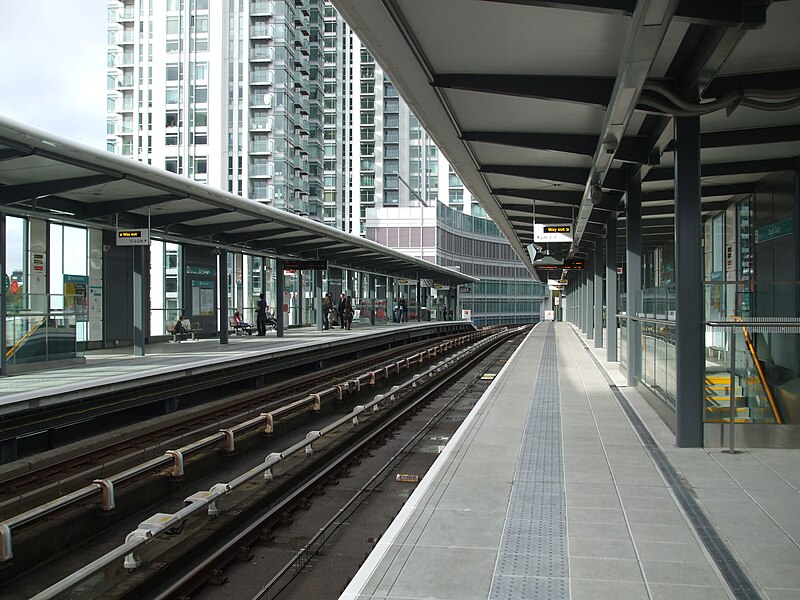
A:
(326, 403)
(28, 483)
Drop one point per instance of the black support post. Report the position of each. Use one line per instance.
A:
(689, 354)
(139, 303)
(589, 312)
(279, 284)
(222, 286)
(633, 266)
(598, 296)
(611, 288)
(318, 295)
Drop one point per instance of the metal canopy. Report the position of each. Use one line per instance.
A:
(547, 107)
(50, 177)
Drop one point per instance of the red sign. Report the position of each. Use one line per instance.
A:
(286, 308)
(14, 287)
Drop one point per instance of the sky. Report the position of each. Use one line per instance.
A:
(53, 66)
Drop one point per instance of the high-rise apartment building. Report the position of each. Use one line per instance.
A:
(278, 101)
(227, 92)
(387, 180)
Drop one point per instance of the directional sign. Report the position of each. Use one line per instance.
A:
(552, 233)
(133, 237)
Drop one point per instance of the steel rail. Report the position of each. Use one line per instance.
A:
(177, 456)
(162, 523)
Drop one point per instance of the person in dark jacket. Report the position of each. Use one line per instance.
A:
(261, 315)
(340, 309)
(327, 309)
(347, 312)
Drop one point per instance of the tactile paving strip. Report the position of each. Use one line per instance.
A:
(532, 561)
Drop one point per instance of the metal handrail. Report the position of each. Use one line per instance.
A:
(761, 375)
(21, 340)
(161, 523)
(168, 458)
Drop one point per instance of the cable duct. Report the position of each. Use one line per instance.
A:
(661, 98)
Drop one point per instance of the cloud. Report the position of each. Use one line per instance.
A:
(53, 71)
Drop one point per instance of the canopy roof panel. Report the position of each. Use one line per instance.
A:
(50, 177)
(534, 101)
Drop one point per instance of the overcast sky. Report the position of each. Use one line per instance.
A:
(53, 66)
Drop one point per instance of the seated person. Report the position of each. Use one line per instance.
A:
(245, 326)
(179, 328)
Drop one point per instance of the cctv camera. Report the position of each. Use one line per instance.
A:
(596, 194)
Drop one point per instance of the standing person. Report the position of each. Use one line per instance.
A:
(261, 315)
(396, 311)
(327, 309)
(340, 308)
(347, 312)
(402, 309)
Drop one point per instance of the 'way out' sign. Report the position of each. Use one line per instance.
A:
(552, 233)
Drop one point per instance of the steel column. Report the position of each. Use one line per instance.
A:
(279, 286)
(598, 296)
(372, 297)
(589, 312)
(611, 288)
(139, 302)
(3, 295)
(633, 275)
(318, 294)
(689, 330)
(222, 286)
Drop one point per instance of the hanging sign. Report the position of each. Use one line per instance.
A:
(305, 265)
(552, 233)
(133, 237)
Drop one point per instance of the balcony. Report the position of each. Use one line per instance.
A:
(259, 170)
(261, 100)
(262, 8)
(262, 55)
(262, 32)
(262, 147)
(262, 78)
(127, 14)
(261, 124)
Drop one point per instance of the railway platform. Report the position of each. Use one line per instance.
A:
(45, 408)
(564, 483)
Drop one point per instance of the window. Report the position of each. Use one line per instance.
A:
(171, 139)
(391, 105)
(391, 136)
(200, 118)
(201, 165)
(198, 45)
(367, 195)
(390, 181)
(367, 149)
(391, 166)
(200, 24)
(172, 72)
(391, 120)
(456, 196)
(368, 179)
(198, 139)
(367, 118)
(200, 95)
(172, 118)
(173, 46)
(367, 164)
(391, 151)
(391, 197)
(367, 133)
(173, 95)
(201, 71)
(454, 180)
(173, 25)
(171, 165)
(173, 5)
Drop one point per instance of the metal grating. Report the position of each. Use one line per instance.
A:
(532, 561)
